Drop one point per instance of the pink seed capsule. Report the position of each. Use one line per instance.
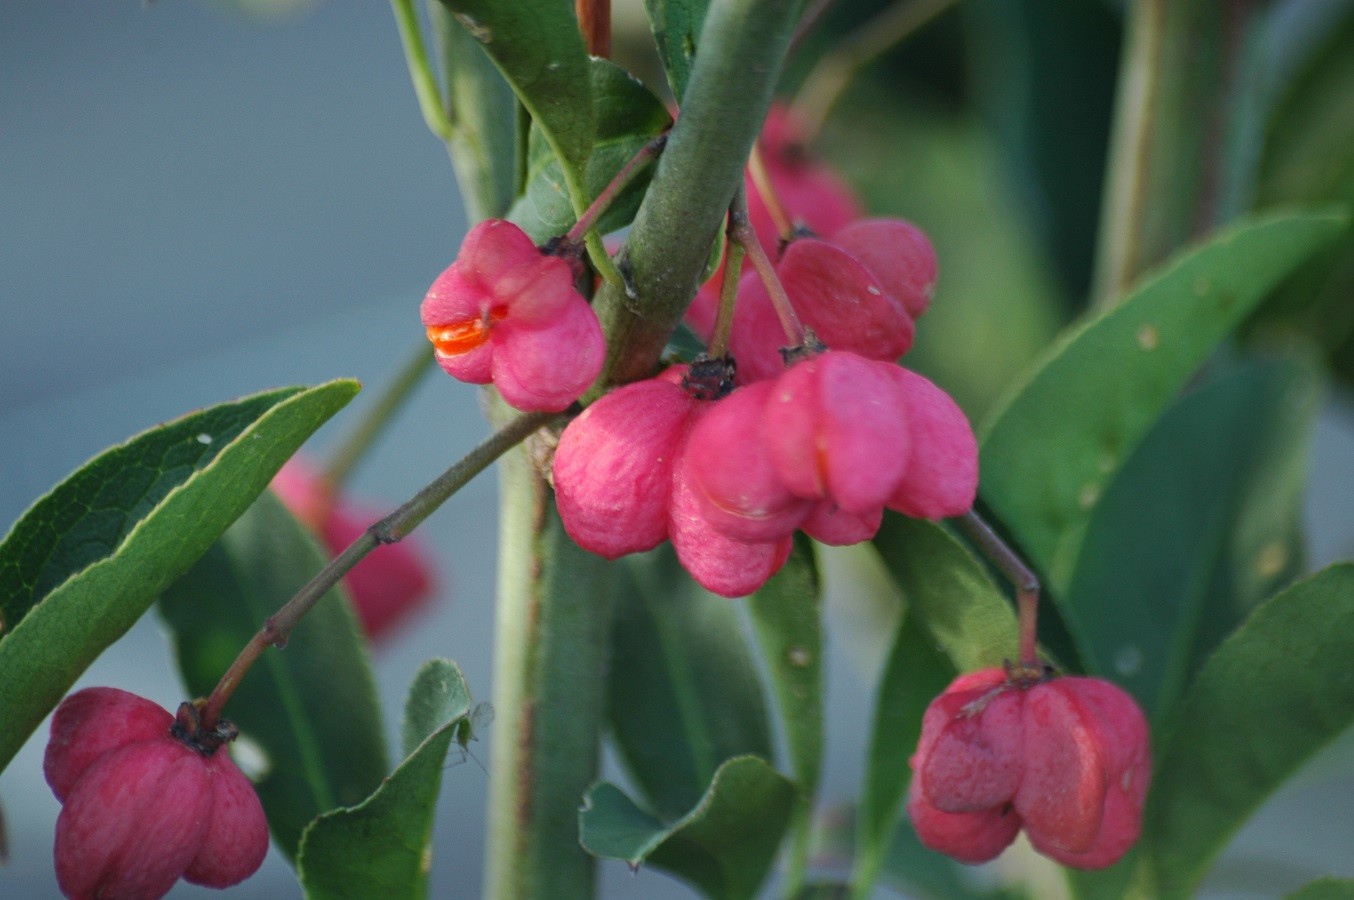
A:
(1067, 759)
(141, 805)
(508, 313)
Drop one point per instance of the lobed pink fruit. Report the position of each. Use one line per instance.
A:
(623, 484)
(508, 313)
(896, 253)
(142, 808)
(391, 583)
(1067, 759)
(940, 478)
(836, 428)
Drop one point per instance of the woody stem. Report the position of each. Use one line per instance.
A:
(393, 528)
(620, 182)
(743, 235)
(1014, 569)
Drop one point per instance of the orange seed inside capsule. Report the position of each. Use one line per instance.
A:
(462, 337)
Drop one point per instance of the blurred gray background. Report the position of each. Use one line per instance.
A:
(196, 205)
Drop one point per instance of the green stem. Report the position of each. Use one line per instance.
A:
(1026, 583)
(742, 47)
(392, 529)
(374, 421)
(1186, 135)
(728, 289)
(425, 85)
(742, 234)
(553, 627)
(620, 182)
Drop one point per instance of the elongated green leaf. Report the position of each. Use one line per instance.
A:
(1194, 530)
(724, 846)
(684, 692)
(83, 564)
(1325, 889)
(676, 26)
(383, 846)
(1049, 453)
(483, 146)
(1271, 695)
(785, 612)
(916, 672)
(311, 708)
(628, 117)
(949, 592)
(538, 48)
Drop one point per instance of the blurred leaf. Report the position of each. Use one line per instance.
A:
(724, 846)
(311, 707)
(1267, 699)
(786, 616)
(1194, 530)
(1329, 888)
(628, 117)
(1309, 157)
(538, 48)
(948, 591)
(1044, 74)
(785, 613)
(1050, 451)
(684, 691)
(676, 27)
(85, 561)
(383, 847)
(916, 673)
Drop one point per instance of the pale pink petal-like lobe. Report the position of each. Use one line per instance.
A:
(940, 479)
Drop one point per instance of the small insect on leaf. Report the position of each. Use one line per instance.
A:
(469, 729)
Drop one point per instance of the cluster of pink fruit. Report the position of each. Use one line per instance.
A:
(825, 444)
(726, 463)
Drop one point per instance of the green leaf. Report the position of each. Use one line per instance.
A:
(684, 691)
(1269, 697)
(1050, 452)
(1196, 528)
(724, 846)
(628, 117)
(538, 48)
(969, 620)
(676, 27)
(1309, 158)
(483, 145)
(786, 617)
(916, 673)
(1329, 888)
(785, 613)
(85, 561)
(311, 708)
(383, 847)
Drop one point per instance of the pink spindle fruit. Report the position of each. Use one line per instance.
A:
(623, 485)
(142, 804)
(507, 312)
(1065, 758)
